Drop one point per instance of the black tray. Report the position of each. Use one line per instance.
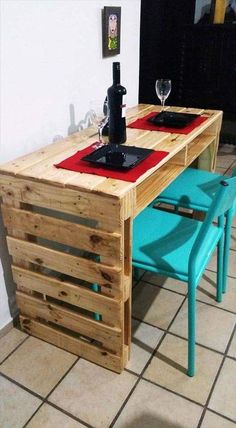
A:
(133, 156)
(173, 119)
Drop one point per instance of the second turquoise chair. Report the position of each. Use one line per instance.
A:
(180, 247)
(194, 189)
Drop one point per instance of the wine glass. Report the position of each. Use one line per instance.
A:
(97, 118)
(163, 88)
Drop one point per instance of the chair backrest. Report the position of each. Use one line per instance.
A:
(221, 204)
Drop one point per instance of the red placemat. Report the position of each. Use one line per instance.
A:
(74, 163)
(147, 126)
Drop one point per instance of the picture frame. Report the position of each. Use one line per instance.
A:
(111, 23)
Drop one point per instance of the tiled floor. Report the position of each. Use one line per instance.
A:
(42, 386)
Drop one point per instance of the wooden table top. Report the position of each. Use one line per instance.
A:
(39, 165)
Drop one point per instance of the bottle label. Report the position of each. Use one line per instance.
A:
(123, 107)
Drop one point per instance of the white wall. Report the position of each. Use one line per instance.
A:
(52, 57)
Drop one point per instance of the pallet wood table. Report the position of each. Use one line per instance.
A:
(56, 256)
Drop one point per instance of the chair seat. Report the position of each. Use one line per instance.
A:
(195, 187)
(167, 242)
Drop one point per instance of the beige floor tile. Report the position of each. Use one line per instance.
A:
(206, 292)
(49, 417)
(155, 305)
(225, 159)
(168, 283)
(4, 330)
(220, 170)
(144, 341)
(37, 365)
(227, 148)
(223, 399)
(214, 326)
(10, 341)
(93, 393)
(16, 405)
(233, 239)
(232, 349)
(211, 420)
(212, 265)
(152, 407)
(168, 368)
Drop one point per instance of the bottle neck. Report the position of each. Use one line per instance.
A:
(116, 73)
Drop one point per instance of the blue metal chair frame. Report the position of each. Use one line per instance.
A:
(180, 247)
(194, 189)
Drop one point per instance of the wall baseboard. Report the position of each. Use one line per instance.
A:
(6, 329)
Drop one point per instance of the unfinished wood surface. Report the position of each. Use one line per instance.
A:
(75, 345)
(77, 267)
(43, 168)
(72, 234)
(198, 147)
(34, 307)
(82, 204)
(15, 166)
(70, 256)
(71, 293)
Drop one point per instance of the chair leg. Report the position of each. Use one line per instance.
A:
(191, 328)
(220, 269)
(96, 316)
(229, 218)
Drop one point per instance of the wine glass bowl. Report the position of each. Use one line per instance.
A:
(97, 117)
(163, 88)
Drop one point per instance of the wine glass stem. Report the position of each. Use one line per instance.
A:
(162, 104)
(100, 133)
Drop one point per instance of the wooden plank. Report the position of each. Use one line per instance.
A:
(74, 266)
(128, 228)
(65, 232)
(46, 171)
(180, 158)
(33, 307)
(149, 189)
(18, 234)
(67, 292)
(19, 164)
(198, 146)
(77, 346)
(80, 203)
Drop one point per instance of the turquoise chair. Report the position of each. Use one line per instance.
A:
(195, 189)
(180, 247)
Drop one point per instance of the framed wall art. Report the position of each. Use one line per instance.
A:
(111, 20)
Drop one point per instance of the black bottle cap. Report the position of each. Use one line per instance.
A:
(116, 65)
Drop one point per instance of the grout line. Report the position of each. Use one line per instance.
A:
(22, 386)
(45, 398)
(69, 414)
(173, 392)
(165, 288)
(181, 337)
(12, 352)
(216, 378)
(197, 299)
(146, 365)
(219, 414)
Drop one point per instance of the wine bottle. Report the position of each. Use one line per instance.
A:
(116, 106)
(105, 129)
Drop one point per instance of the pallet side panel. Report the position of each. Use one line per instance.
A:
(35, 308)
(75, 345)
(74, 294)
(65, 232)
